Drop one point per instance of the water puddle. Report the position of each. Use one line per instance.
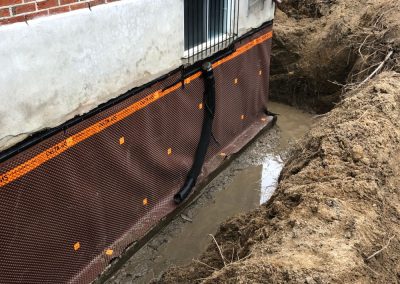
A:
(246, 184)
(194, 238)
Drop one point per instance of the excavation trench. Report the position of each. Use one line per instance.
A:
(248, 182)
(334, 216)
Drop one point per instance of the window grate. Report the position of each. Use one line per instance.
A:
(210, 25)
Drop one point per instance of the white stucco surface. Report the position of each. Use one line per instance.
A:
(57, 67)
(60, 66)
(247, 20)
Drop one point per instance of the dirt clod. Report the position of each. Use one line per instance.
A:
(357, 153)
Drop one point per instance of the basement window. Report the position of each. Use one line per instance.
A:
(210, 25)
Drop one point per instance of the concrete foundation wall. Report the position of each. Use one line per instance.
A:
(54, 68)
(254, 18)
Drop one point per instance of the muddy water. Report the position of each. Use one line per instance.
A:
(248, 182)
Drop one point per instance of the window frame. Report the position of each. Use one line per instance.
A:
(221, 39)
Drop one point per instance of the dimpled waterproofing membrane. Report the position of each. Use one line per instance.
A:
(77, 199)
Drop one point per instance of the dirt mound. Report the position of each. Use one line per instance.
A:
(335, 216)
(321, 45)
(307, 8)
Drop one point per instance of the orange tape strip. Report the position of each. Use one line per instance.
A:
(65, 144)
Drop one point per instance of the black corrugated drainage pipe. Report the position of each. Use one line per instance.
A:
(206, 134)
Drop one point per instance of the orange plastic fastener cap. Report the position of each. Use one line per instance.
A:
(77, 246)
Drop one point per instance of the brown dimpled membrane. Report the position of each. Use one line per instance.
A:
(79, 198)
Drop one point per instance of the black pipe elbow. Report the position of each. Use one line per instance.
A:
(206, 133)
(185, 190)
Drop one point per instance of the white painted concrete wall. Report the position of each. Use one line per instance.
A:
(60, 66)
(247, 21)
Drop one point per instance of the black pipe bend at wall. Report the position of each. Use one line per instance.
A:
(206, 134)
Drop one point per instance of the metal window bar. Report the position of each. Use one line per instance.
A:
(210, 26)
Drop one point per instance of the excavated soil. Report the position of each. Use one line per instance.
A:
(335, 217)
(320, 45)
